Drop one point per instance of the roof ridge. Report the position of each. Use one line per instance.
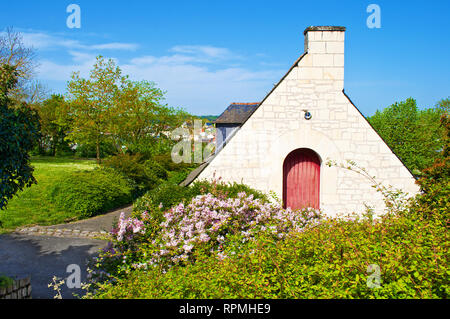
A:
(241, 103)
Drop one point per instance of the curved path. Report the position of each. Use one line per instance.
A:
(42, 252)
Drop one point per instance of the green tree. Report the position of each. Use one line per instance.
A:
(54, 123)
(434, 201)
(141, 120)
(414, 135)
(19, 132)
(109, 106)
(91, 101)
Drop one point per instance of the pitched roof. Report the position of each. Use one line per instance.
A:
(237, 113)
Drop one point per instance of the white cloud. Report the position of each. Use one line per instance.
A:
(42, 41)
(197, 87)
(204, 79)
(205, 52)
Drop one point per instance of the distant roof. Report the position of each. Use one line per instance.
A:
(237, 113)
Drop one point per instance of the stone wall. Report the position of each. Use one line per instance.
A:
(20, 289)
(336, 131)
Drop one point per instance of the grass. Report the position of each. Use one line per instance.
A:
(32, 206)
(5, 281)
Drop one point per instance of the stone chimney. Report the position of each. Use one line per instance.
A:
(325, 46)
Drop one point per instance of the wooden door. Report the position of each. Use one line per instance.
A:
(301, 179)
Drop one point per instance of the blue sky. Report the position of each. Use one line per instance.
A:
(206, 54)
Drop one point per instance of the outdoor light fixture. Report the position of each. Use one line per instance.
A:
(308, 115)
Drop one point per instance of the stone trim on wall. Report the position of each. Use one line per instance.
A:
(20, 289)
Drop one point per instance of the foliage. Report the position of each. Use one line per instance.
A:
(165, 195)
(331, 260)
(137, 170)
(155, 168)
(165, 160)
(169, 194)
(435, 182)
(207, 224)
(90, 102)
(106, 148)
(177, 177)
(19, 132)
(22, 59)
(109, 106)
(54, 124)
(89, 193)
(5, 281)
(213, 249)
(140, 121)
(414, 135)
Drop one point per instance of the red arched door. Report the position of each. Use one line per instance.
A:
(301, 179)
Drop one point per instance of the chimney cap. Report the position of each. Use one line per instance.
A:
(323, 28)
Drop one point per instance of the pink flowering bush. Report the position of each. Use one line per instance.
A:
(127, 228)
(208, 222)
(207, 225)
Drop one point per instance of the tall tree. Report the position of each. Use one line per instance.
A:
(140, 118)
(19, 132)
(414, 135)
(91, 102)
(54, 122)
(13, 52)
(109, 106)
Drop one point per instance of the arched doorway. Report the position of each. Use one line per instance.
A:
(301, 179)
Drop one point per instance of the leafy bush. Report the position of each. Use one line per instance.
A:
(207, 224)
(134, 167)
(169, 194)
(226, 190)
(330, 260)
(166, 161)
(89, 193)
(165, 195)
(5, 281)
(177, 177)
(156, 169)
(435, 183)
(220, 247)
(19, 133)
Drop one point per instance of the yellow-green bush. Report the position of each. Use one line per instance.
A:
(328, 261)
(89, 193)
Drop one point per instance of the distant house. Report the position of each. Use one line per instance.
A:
(283, 143)
(231, 120)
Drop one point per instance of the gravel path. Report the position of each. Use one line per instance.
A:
(95, 227)
(41, 252)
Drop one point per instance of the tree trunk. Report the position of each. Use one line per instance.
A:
(54, 139)
(98, 152)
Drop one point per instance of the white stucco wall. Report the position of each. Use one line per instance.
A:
(337, 131)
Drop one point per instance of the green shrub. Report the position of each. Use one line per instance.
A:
(178, 177)
(166, 161)
(169, 194)
(89, 193)
(330, 260)
(156, 169)
(5, 281)
(136, 169)
(435, 183)
(230, 190)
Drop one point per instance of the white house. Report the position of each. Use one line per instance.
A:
(303, 121)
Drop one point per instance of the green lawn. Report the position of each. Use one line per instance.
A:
(31, 206)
